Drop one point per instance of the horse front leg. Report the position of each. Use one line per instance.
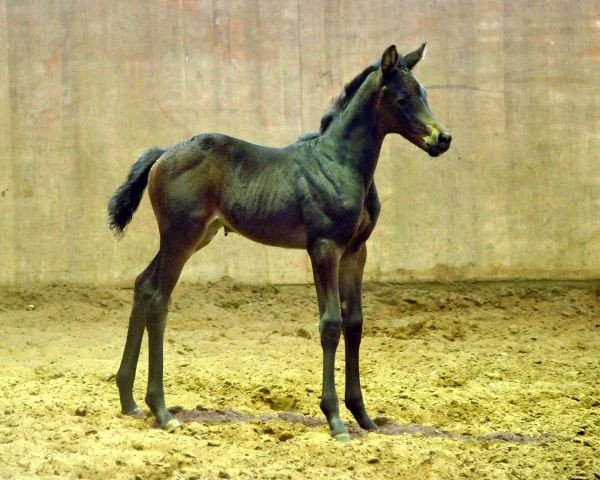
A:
(325, 256)
(351, 274)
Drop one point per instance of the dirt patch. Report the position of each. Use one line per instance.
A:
(466, 381)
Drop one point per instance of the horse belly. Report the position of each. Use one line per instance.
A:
(278, 236)
(275, 231)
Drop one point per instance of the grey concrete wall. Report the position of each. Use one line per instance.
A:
(86, 86)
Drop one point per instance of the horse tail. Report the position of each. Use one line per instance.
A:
(127, 197)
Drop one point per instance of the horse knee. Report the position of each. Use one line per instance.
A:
(353, 321)
(330, 330)
(353, 325)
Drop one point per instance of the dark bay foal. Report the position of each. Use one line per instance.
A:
(317, 194)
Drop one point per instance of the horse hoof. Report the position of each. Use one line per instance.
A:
(136, 412)
(369, 425)
(171, 424)
(343, 437)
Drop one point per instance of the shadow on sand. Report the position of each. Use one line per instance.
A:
(386, 426)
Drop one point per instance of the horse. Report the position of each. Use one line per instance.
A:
(316, 194)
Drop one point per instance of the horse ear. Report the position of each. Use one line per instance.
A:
(389, 59)
(413, 58)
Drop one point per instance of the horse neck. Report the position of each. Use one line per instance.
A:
(355, 136)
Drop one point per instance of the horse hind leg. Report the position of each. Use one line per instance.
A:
(156, 303)
(125, 377)
(176, 248)
(153, 288)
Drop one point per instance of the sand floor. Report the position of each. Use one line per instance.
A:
(476, 381)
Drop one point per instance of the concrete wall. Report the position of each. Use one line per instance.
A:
(86, 86)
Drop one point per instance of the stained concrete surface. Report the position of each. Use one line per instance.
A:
(85, 87)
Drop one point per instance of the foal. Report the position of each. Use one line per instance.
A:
(317, 194)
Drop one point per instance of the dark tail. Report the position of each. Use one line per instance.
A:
(127, 197)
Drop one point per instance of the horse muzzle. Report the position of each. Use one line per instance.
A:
(439, 145)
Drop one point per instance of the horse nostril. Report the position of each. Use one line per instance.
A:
(444, 138)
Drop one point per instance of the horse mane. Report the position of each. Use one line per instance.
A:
(340, 103)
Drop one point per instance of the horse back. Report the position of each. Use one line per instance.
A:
(250, 188)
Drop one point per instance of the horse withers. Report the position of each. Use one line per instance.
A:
(316, 194)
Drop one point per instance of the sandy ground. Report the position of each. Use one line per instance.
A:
(478, 381)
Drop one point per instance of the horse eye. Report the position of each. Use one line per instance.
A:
(401, 101)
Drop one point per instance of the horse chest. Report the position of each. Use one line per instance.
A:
(334, 214)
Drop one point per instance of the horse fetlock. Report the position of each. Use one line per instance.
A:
(330, 406)
(338, 429)
(336, 425)
(126, 395)
(123, 380)
(128, 405)
(355, 404)
(155, 401)
(357, 408)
